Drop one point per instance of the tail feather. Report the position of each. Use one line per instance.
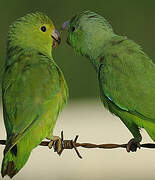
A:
(10, 170)
(14, 160)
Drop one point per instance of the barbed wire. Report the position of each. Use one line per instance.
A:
(73, 144)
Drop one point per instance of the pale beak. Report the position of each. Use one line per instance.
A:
(65, 25)
(56, 36)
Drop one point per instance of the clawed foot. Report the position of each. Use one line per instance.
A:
(132, 145)
(57, 144)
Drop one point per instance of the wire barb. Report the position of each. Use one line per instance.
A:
(69, 144)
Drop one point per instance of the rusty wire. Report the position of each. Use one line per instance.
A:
(73, 144)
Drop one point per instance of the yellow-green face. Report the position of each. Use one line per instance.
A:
(34, 31)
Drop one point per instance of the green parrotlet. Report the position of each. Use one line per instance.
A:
(34, 90)
(125, 73)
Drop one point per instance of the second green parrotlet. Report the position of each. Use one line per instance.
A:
(34, 89)
(125, 73)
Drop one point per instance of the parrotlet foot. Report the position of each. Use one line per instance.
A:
(132, 145)
(57, 144)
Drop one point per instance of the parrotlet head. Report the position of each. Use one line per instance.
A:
(88, 32)
(33, 31)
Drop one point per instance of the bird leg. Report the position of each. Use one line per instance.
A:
(132, 145)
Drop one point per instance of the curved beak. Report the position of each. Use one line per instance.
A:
(56, 36)
(65, 25)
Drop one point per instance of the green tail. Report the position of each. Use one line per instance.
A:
(15, 159)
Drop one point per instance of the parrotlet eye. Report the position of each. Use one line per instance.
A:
(73, 29)
(43, 28)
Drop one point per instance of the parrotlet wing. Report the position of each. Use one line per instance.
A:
(127, 78)
(31, 87)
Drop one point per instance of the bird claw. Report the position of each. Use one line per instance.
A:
(132, 145)
(57, 144)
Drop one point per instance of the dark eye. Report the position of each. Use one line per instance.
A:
(73, 29)
(43, 28)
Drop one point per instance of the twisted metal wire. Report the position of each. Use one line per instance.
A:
(73, 144)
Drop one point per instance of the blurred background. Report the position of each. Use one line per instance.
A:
(84, 114)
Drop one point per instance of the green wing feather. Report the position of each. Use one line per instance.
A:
(127, 78)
